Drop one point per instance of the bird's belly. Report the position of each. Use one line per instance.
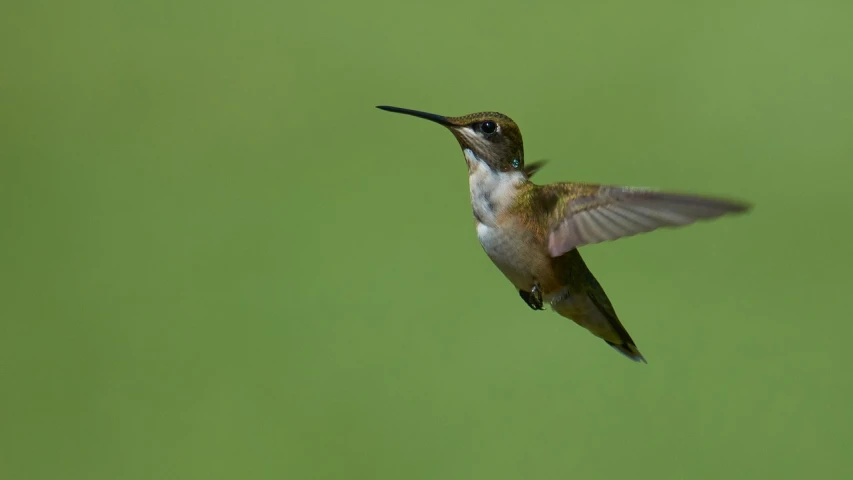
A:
(521, 259)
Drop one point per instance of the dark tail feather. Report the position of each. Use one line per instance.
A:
(586, 304)
(629, 350)
(626, 346)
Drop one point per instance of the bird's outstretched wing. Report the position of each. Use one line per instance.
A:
(584, 214)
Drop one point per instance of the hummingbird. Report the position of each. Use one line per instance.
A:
(532, 232)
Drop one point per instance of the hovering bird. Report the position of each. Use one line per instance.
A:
(532, 232)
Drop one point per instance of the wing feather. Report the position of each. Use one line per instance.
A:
(597, 213)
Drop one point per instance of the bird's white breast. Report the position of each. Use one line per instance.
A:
(492, 193)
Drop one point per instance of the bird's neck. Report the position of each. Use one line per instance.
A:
(492, 192)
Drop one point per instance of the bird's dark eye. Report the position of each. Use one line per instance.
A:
(488, 127)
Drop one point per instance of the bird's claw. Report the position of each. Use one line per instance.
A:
(533, 298)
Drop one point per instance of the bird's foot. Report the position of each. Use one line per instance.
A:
(533, 298)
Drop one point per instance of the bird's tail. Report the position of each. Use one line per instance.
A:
(588, 306)
(629, 350)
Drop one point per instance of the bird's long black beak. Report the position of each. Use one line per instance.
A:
(441, 120)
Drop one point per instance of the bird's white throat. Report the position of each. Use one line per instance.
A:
(492, 192)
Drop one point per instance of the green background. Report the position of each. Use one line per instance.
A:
(220, 261)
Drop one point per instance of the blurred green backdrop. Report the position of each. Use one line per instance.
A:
(220, 261)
